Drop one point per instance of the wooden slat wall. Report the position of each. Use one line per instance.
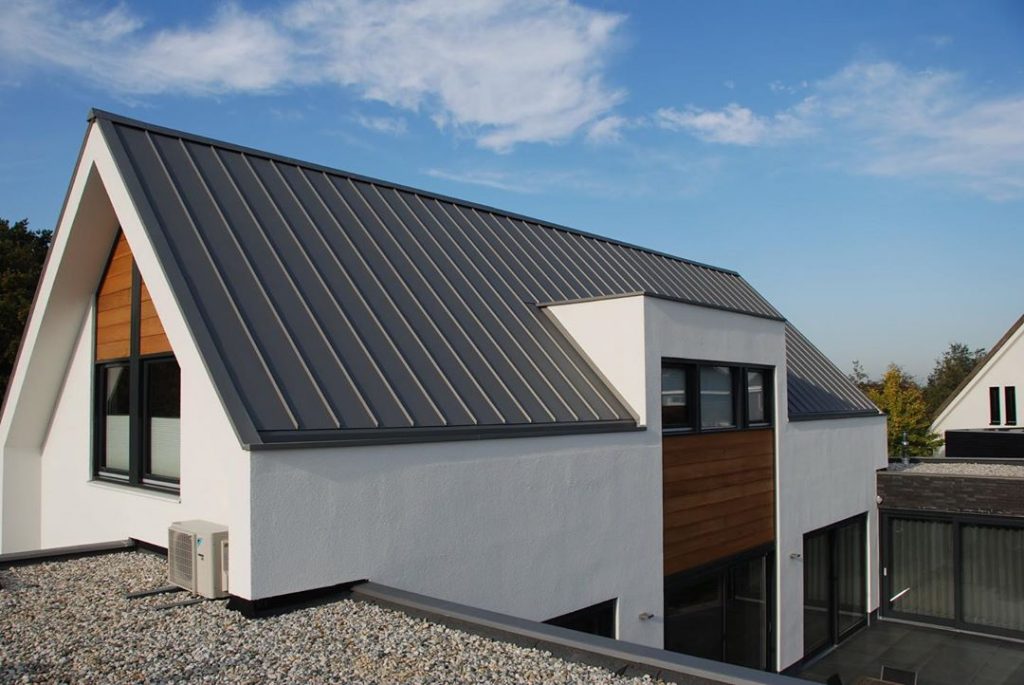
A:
(152, 338)
(114, 311)
(719, 496)
(114, 306)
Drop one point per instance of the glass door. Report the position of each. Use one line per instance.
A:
(835, 583)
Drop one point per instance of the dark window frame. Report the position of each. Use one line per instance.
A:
(1010, 404)
(958, 521)
(739, 396)
(995, 418)
(138, 436)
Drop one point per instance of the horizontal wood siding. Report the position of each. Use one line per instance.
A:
(719, 496)
(152, 339)
(114, 305)
(114, 311)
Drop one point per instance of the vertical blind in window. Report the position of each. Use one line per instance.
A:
(922, 568)
(993, 576)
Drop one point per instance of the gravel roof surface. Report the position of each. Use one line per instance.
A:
(965, 469)
(69, 621)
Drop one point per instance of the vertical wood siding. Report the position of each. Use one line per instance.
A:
(718, 496)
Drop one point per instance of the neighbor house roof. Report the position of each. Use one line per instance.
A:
(331, 307)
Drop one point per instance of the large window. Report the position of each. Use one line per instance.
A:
(958, 571)
(706, 397)
(835, 597)
(138, 383)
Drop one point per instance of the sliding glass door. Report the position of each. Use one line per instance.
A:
(835, 583)
(959, 571)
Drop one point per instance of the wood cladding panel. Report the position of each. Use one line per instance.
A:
(114, 305)
(718, 496)
(114, 311)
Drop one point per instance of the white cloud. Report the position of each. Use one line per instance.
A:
(734, 125)
(607, 129)
(882, 119)
(501, 72)
(394, 126)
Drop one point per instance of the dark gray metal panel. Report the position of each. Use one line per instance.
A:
(339, 305)
(815, 387)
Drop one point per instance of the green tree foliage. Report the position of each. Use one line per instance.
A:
(901, 398)
(22, 253)
(950, 370)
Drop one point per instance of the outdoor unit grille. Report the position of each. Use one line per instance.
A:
(197, 557)
(181, 560)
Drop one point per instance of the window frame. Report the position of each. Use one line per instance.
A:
(1010, 405)
(739, 396)
(994, 414)
(138, 438)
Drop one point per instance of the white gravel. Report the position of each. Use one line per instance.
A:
(69, 622)
(965, 469)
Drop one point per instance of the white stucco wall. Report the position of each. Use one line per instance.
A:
(49, 499)
(826, 473)
(970, 408)
(534, 527)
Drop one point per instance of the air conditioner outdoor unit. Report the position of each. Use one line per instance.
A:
(197, 557)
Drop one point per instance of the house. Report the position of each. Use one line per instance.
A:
(981, 417)
(366, 381)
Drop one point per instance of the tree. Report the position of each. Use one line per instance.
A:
(901, 398)
(860, 377)
(950, 370)
(22, 253)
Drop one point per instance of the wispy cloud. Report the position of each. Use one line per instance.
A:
(395, 126)
(734, 124)
(498, 71)
(607, 130)
(882, 119)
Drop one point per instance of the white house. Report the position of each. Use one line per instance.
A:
(987, 398)
(366, 381)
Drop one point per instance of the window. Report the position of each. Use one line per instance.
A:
(993, 406)
(138, 383)
(705, 397)
(1010, 394)
(717, 405)
(598, 619)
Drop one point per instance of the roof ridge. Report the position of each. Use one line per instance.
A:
(95, 113)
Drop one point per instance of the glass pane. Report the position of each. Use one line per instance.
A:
(746, 618)
(851, 601)
(693, 619)
(817, 628)
(716, 405)
(116, 388)
(675, 410)
(755, 397)
(922, 568)
(993, 582)
(163, 418)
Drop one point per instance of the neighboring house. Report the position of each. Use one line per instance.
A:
(362, 380)
(987, 399)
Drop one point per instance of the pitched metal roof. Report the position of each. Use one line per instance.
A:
(816, 388)
(331, 307)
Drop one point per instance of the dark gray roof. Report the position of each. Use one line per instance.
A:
(330, 307)
(816, 388)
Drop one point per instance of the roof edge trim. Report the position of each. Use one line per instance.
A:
(95, 114)
(824, 416)
(657, 296)
(307, 439)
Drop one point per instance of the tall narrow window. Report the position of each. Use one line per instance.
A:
(138, 383)
(993, 406)
(757, 410)
(675, 404)
(1010, 393)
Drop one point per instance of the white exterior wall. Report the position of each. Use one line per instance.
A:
(826, 473)
(48, 498)
(970, 408)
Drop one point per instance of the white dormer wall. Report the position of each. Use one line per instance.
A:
(970, 407)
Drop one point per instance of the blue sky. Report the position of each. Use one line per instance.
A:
(860, 163)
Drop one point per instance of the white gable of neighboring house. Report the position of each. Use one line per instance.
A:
(1002, 368)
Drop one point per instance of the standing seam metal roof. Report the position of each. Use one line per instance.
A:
(333, 307)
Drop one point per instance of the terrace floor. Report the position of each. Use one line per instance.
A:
(940, 657)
